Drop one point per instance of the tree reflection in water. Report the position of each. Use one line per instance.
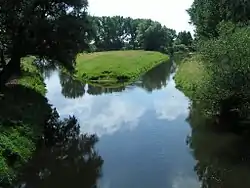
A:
(71, 88)
(94, 90)
(221, 151)
(152, 80)
(156, 78)
(64, 158)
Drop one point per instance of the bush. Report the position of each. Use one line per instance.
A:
(227, 62)
(180, 47)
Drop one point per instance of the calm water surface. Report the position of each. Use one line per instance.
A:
(142, 128)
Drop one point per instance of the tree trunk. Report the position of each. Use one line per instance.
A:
(15, 66)
(3, 62)
(12, 68)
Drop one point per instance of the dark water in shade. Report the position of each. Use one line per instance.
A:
(142, 128)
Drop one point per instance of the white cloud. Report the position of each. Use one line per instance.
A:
(182, 181)
(174, 105)
(171, 13)
(103, 116)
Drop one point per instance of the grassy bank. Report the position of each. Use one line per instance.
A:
(31, 77)
(23, 112)
(116, 66)
(190, 75)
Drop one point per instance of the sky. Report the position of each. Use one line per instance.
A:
(171, 13)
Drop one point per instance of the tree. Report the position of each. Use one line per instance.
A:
(206, 15)
(132, 26)
(51, 29)
(116, 33)
(185, 38)
(153, 36)
(227, 63)
(109, 32)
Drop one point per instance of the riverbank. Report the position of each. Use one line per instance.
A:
(114, 67)
(24, 110)
(190, 75)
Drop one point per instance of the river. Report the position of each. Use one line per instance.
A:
(149, 136)
(142, 128)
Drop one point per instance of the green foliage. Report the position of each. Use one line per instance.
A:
(154, 36)
(220, 77)
(183, 42)
(227, 62)
(15, 149)
(180, 48)
(24, 109)
(109, 32)
(116, 66)
(185, 38)
(223, 41)
(33, 138)
(206, 15)
(31, 76)
(117, 32)
(51, 29)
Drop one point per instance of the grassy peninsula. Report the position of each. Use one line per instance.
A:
(116, 66)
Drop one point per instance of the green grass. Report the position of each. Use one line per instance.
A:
(31, 77)
(190, 75)
(116, 66)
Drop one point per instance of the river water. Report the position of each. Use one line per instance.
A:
(142, 128)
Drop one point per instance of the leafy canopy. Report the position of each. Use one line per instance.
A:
(206, 15)
(52, 29)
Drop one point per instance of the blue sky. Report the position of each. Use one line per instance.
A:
(171, 13)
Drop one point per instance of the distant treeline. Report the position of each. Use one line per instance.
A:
(117, 32)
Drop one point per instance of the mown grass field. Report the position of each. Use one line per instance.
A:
(116, 66)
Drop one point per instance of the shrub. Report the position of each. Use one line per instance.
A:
(227, 62)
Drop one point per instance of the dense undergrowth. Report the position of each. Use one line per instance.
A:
(219, 76)
(24, 110)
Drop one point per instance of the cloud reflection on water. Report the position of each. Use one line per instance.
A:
(107, 114)
(172, 105)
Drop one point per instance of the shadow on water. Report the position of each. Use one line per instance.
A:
(64, 158)
(94, 90)
(222, 153)
(71, 88)
(38, 149)
(154, 79)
